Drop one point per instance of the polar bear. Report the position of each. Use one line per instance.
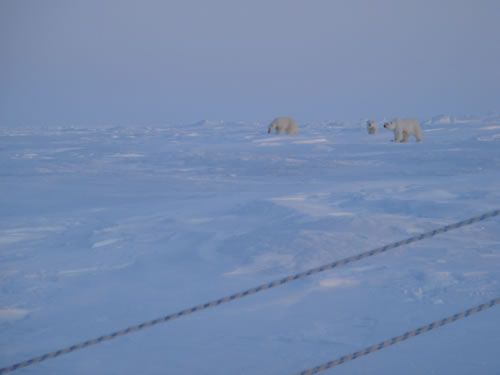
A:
(403, 128)
(283, 124)
(371, 126)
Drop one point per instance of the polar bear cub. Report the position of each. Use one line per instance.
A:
(403, 128)
(371, 126)
(283, 124)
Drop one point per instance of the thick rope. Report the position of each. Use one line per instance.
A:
(248, 292)
(398, 339)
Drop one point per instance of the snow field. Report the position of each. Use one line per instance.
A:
(106, 227)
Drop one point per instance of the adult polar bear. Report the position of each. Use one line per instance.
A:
(403, 128)
(283, 124)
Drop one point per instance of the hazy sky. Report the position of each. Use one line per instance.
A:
(178, 61)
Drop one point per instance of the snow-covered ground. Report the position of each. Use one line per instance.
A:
(102, 228)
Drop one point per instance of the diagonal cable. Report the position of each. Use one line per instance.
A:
(397, 339)
(248, 292)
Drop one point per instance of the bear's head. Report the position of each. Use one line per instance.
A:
(391, 125)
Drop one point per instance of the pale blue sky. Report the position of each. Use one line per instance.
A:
(178, 61)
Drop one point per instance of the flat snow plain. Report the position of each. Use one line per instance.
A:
(106, 227)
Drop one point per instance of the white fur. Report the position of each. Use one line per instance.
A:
(371, 126)
(403, 128)
(283, 124)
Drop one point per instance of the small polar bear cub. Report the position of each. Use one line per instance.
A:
(283, 124)
(371, 126)
(403, 128)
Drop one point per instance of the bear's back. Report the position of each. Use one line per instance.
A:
(407, 123)
(284, 121)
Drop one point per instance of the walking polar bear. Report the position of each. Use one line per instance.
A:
(371, 126)
(283, 124)
(403, 128)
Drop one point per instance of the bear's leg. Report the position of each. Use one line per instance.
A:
(397, 135)
(405, 136)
